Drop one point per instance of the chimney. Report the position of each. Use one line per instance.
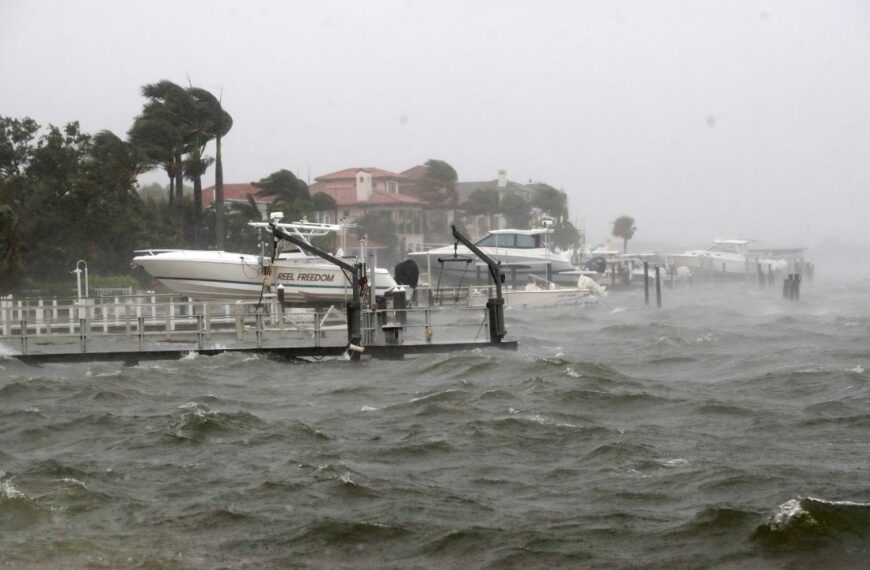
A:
(363, 186)
(502, 178)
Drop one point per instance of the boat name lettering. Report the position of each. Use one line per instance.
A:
(306, 277)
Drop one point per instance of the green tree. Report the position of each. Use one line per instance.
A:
(624, 228)
(483, 201)
(159, 140)
(438, 185)
(172, 104)
(566, 236)
(219, 123)
(323, 202)
(552, 202)
(515, 210)
(291, 194)
(16, 144)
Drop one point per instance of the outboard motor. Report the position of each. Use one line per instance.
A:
(407, 273)
(597, 264)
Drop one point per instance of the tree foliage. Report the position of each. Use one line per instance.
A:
(516, 211)
(438, 186)
(550, 201)
(291, 195)
(623, 227)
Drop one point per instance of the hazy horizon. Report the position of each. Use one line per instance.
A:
(701, 120)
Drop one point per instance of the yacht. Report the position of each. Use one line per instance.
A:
(224, 275)
(723, 256)
(524, 251)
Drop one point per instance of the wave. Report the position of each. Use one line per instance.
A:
(806, 522)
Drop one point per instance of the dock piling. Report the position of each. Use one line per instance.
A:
(646, 283)
(658, 287)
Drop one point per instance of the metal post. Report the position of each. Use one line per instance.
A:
(549, 272)
(428, 317)
(83, 335)
(199, 332)
(760, 275)
(258, 319)
(23, 331)
(658, 288)
(646, 282)
(140, 329)
(770, 280)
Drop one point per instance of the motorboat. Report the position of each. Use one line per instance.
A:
(723, 256)
(519, 251)
(539, 292)
(305, 278)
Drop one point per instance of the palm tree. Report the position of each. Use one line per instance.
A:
(219, 124)
(623, 227)
(173, 104)
(194, 167)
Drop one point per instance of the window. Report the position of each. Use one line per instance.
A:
(393, 187)
(725, 248)
(498, 240)
(526, 241)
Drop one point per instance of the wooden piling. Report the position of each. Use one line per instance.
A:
(646, 283)
(658, 288)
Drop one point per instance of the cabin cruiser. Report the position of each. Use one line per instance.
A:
(723, 256)
(223, 275)
(523, 251)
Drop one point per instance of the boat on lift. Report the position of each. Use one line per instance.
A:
(305, 278)
(723, 257)
(522, 251)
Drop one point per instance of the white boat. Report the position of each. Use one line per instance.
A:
(224, 275)
(541, 293)
(723, 256)
(524, 251)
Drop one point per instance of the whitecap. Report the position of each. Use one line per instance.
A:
(788, 511)
(572, 373)
(674, 462)
(8, 490)
(368, 409)
(615, 310)
(72, 481)
(345, 478)
(857, 370)
(190, 356)
(513, 411)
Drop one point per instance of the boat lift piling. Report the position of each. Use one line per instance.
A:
(354, 323)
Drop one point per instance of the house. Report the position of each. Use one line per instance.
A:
(364, 190)
(237, 193)
(479, 224)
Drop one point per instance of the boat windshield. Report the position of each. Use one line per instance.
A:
(510, 240)
(725, 248)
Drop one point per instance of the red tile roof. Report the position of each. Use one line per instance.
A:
(347, 197)
(416, 172)
(235, 192)
(350, 173)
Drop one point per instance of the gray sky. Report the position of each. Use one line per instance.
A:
(700, 119)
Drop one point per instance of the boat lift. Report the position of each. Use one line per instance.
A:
(132, 323)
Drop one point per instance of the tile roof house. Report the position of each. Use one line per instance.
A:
(358, 191)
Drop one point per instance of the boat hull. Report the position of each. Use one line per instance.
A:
(534, 261)
(222, 275)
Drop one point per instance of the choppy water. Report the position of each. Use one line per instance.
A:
(729, 429)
